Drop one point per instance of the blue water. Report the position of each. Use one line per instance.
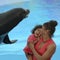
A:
(40, 11)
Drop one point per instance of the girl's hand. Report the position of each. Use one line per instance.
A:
(31, 45)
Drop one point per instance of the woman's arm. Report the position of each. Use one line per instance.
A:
(50, 51)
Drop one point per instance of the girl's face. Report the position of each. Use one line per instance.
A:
(38, 32)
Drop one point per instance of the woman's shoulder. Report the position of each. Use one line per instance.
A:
(52, 43)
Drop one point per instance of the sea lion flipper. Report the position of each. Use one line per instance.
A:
(7, 40)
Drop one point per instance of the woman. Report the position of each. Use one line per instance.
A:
(33, 38)
(45, 48)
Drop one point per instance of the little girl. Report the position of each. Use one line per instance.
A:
(34, 37)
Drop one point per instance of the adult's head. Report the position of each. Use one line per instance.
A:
(49, 27)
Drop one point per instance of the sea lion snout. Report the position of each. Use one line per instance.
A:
(27, 11)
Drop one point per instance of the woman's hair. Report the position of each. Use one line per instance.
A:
(50, 26)
(36, 27)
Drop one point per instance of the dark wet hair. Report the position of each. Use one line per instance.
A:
(50, 26)
(36, 27)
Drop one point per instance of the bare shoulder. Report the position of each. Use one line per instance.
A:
(52, 46)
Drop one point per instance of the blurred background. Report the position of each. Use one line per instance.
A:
(41, 11)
